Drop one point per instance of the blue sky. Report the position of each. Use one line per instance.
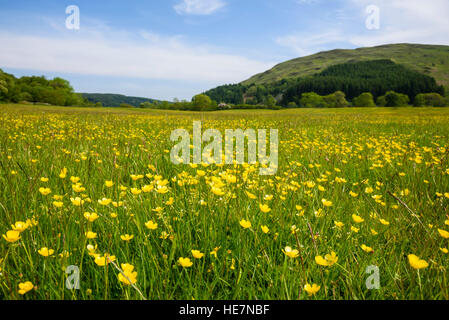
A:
(178, 48)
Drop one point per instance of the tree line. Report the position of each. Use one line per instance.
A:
(38, 90)
(377, 77)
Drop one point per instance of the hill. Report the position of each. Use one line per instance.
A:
(432, 60)
(115, 100)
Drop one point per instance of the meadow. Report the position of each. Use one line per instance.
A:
(357, 190)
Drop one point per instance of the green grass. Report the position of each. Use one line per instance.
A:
(402, 150)
(432, 60)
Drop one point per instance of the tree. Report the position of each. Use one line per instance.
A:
(364, 100)
(270, 101)
(201, 102)
(429, 100)
(98, 105)
(394, 99)
(312, 100)
(335, 100)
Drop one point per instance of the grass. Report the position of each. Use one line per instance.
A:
(388, 166)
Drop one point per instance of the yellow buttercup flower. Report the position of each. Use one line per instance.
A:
(90, 235)
(77, 201)
(45, 191)
(185, 262)
(416, 262)
(326, 203)
(130, 274)
(25, 287)
(151, 225)
(109, 183)
(91, 217)
(384, 222)
(264, 208)
(339, 224)
(366, 248)
(265, 229)
(245, 224)
(443, 233)
(12, 236)
(45, 252)
(20, 226)
(104, 260)
(311, 289)
(328, 260)
(127, 237)
(291, 253)
(357, 219)
(197, 254)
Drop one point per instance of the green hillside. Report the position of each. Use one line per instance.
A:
(432, 60)
(115, 100)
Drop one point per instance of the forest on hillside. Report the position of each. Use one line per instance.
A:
(376, 77)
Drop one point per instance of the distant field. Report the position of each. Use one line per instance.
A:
(357, 189)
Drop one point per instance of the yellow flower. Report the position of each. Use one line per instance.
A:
(151, 225)
(43, 179)
(443, 233)
(104, 201)
(292, 253)
(127, 237)
(264, 208)
(45, 252)
(311, 289)
(444, 250)
(102, 261)
(357, 219)
(58, 204)
(339, 224)
(416, 262)
(367, 249)
(369, 190)
(354, 229)
(197, 254)
(265, 229)
(217, 191)
(109, 183)
(130, 274)
(328, 260)
(63, 173)
(374, 232)
(353, 194)
(20, 226)
(384, 222)
(91, 217)
(326, 203)
(250, 195)
(77, 201)
(45, 191)
(12, 236)
(245, 224)
(25, 287)
(185, 262)
(91, 235)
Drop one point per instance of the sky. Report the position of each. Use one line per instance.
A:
(178, 48)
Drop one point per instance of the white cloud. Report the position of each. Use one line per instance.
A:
(412, 21)
(305, 44)
(199, 7)
(147, 56)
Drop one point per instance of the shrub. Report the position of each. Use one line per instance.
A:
(364, 100)
(429, 100)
